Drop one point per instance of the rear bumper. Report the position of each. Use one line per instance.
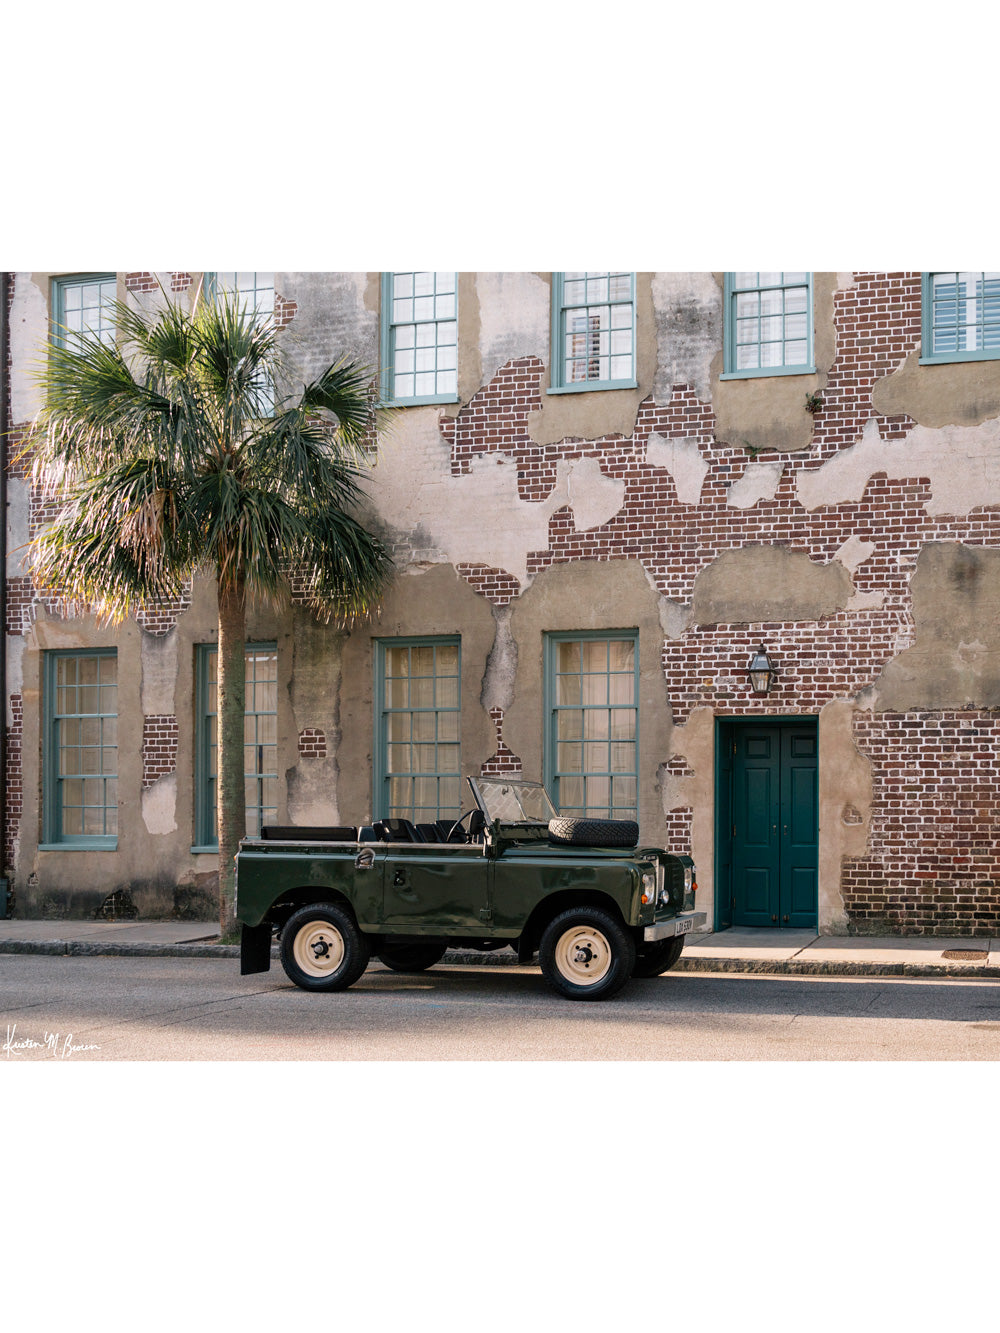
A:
(677, 925)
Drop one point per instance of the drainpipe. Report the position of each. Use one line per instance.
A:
(5, 901)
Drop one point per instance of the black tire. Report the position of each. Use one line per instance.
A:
(594, 832)
(413, 956)
(586, 954)
(310, 931)
(651, 960)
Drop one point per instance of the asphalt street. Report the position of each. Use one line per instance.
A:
(170, 1009)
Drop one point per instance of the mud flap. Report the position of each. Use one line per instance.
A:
(255, 949)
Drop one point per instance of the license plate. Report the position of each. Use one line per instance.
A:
(683, 927)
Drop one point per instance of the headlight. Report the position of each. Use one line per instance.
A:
(648, 887)
(688, 879)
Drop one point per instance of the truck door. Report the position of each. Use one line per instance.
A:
(437, 890)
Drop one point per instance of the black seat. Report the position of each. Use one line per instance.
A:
(429, 832)
(397, 830)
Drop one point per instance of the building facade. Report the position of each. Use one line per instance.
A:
(605, 494)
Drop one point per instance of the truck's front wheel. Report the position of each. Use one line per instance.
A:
(586, 954)
(322, 948)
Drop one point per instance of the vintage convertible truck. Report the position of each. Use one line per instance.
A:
(596, 908)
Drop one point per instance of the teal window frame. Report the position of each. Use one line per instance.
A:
(553, 771)
(988, 328)
(731, 292)
(59, 290)
(444, 733)
(388, 340)
(53, 836)
(206, 743)
(561, 313)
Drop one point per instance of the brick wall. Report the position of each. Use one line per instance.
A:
(934, 852)
(312, 743)
(159, 747)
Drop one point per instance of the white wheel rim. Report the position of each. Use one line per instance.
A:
(318, 948)
(583, 955)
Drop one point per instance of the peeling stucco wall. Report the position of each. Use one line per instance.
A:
(757, 583)
(861, 544)
(955, 658)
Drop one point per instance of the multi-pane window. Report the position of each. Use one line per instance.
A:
(961, 316)
(260, 740)
(255, 290)
(418, 729)
(83, 304)
(591, 689)
(81, 737)
(420, 337)
(768, 323)
(593, 331)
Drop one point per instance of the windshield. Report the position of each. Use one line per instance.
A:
(513, 801)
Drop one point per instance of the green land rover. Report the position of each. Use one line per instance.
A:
(595, 908)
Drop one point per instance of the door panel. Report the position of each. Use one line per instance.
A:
(774, 810)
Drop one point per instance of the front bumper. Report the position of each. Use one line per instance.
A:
(677, 925)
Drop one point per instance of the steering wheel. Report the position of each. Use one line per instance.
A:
(458, 824)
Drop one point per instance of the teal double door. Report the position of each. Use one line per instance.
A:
(768, 823)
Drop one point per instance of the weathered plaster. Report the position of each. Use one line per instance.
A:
(688, 315)
(675, 618)
(954, 661)
(437, 602)
(959, 393)
(760, 481)
(589, 416)
(18, 534)
(29, 331)
(514, 316)
(159, 805)
(477, 517)
(582, 596)
(159, 673)
(845, 798)
(854, 552)
(961, 463)
(501, 665)
(695, 790)
(762, 583)
(682, 459)
(768, 411)
(331, 321)
(315, 702)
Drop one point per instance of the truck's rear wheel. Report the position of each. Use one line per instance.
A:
(414, 956)
(586, 954)
(653, 959)
(322, 948)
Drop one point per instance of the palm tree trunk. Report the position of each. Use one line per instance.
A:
(231, 706)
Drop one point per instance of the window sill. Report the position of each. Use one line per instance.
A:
(80, 845)
(205, 851)
(957, 358)
(420, 402)
(769, 372)
(594, 386)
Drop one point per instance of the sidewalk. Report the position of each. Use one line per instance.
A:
(788, 952)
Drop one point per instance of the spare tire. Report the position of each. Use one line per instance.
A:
(594, 832)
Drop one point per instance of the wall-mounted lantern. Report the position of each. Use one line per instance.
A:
(761, 672)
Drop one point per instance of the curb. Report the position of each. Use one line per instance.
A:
(504, 958)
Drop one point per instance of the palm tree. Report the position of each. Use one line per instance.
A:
(169, 452)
